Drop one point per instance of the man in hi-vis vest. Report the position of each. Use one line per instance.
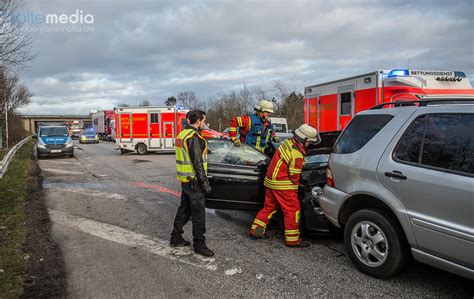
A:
(191, 166)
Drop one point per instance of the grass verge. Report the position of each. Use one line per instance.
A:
(13, 193)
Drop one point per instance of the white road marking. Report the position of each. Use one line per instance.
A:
(92, 192)
(62, 171)
(233, 271)
(129, 238)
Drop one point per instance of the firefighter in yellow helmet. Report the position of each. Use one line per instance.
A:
(191, 166)
(255, 129)
(282, 181)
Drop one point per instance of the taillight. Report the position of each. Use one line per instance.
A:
(329, 178)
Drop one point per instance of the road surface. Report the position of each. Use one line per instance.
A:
(112, 216)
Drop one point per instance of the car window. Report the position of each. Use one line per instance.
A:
(54, 131)
(440, 140)
(408, 148)
(88, 133)
(360, 131)
(224, 151)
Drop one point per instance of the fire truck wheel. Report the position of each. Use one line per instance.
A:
(141, 149)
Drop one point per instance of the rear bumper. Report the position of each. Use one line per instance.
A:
(47, 152)
(331, 202)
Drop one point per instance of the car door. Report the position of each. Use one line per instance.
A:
(430, 170)
(236, 176)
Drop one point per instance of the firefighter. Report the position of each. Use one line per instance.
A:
(282, 180)
(191, 166)
(255, 129)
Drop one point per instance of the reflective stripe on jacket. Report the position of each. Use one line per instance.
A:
(285, 168)
(184, 165)
(253, 130)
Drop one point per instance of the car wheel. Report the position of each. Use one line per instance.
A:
(375, 243)
(141, 149)
(71, 156)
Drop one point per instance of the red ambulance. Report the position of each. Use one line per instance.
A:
(330, 106)
(151, 129)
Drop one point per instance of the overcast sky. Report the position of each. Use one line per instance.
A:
(154, 49)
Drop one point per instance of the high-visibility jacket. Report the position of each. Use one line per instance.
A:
(286, 166)
(184, 165)
(253, 130)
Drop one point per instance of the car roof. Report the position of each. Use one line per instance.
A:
(430, 106)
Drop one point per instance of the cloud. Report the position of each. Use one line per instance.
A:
(155, 49)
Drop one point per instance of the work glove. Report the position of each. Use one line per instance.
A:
(207, 188)
(236, 142)
(276, 138)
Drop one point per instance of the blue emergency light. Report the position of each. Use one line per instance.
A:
(396, 73)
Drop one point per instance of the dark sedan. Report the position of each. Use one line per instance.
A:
(236, 176)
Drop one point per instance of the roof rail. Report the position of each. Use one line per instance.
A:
(423, 102)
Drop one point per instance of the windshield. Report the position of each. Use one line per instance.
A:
(88, 133)
(54, 131)
(224, 151)
(280, 128)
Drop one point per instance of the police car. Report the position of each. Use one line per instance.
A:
(54, 141)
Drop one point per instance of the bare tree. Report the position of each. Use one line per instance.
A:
(187, 99)
(123, 105)
(145, 103)
(15, 44)
(13, 92)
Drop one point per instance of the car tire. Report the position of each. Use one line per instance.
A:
(141, 149)
(375, 243)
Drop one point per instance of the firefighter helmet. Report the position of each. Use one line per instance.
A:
(265, 106)
(306, 133)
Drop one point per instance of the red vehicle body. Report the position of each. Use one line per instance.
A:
(151, 129)
(330, 106)
(102, 123)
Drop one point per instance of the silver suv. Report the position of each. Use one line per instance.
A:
(401, 180)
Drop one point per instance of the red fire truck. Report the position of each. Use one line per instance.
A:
(151, 129)
(330, 106)
(103, 124)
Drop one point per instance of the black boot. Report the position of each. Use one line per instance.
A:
(301, 244)
(202, 249)
(179, 242)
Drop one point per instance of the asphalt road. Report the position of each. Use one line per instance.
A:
(112, 217)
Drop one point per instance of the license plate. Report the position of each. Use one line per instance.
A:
(55, 151)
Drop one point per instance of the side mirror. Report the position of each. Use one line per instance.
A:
(35, 136)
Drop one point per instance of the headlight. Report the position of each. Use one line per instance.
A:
(41, 145)
(316, 192)
(69, 144)
(83, 137)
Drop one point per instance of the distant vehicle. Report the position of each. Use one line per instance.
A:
(401, 179)
(329, 106)
(75, 128)
(54, 141)
(88, 136)
(209, 133)
(112, 126)
(102, 124)
(280, 125)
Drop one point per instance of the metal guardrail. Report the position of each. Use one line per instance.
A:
(9, 156)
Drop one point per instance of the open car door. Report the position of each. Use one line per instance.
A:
(236, 176)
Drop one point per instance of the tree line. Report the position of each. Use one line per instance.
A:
(223, 106)
(15, 56)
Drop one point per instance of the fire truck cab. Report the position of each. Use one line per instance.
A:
(330, 106)
(148, 129)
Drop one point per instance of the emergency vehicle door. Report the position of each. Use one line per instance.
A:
(124, 127)
(154, 130)
(345, 104)
(168, 141)
(312, 112)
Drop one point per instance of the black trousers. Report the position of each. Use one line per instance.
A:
(192, 206)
